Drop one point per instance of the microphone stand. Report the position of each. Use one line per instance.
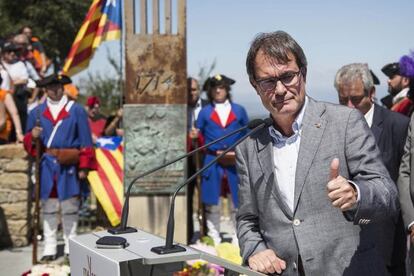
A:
(169, 247)
(123, 228)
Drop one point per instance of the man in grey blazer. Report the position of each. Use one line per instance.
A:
(406, 177)
(313, 188)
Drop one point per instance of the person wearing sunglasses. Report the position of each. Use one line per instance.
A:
(313, 188)
(355, 85)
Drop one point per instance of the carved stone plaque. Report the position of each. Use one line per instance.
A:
(154, 135)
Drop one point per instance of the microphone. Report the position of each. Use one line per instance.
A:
(123, 228)
(174, 248)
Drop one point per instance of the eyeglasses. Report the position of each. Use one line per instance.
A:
(288, 79)
(355, 100)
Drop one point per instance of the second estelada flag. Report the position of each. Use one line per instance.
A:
(107, 180)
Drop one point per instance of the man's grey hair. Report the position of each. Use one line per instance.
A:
(353, 72)
(277, 46)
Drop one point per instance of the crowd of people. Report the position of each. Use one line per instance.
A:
(38, 102)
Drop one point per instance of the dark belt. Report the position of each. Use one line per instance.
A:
(53, 152)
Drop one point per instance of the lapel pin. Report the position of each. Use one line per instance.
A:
(318, 125)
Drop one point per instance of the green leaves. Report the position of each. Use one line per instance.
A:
(55, 23)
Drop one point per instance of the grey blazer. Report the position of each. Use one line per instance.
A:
(406, 178)
(330, 242)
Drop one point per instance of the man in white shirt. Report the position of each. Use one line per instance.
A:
(339, 187)
(215, 120)
(355, 85)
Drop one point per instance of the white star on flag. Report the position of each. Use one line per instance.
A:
(105, 141)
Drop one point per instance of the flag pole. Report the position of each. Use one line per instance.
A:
(121, 58)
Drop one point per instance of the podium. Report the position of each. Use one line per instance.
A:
(137, 258)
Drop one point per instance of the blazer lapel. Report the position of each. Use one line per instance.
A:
(313, 127)
(265, 157)
(376, 126)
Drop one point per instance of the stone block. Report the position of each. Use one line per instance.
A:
(17, 165)
(15, 181)
(3, 163)
(4, 196)
(18, 227)
(19, 241)
(11, 151)
(18, 196)
(13, 196)
(15, 211)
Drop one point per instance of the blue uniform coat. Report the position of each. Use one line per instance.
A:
(73, 132)
(210, 126)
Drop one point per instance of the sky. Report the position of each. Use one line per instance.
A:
(332, 34)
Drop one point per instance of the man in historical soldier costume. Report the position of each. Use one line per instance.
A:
(400, 85)
(67, 156)
(215, 120)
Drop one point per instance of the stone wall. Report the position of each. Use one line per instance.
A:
(15, 200)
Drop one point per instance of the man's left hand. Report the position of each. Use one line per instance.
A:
(341, 193)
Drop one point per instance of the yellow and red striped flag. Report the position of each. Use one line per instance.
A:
(102, 22)
(107, 181)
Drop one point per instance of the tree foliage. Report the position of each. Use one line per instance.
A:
(205, 71)
(107, 86)
(55, 22)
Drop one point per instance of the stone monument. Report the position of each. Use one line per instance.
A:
(155, 111)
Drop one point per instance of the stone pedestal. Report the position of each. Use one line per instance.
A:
(15, 200)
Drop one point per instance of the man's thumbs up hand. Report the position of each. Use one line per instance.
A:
(334, 169)
(342, 194)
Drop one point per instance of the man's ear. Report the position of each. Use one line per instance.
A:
(372, 94)
(405, 81)
(304, 72)
(254, 84)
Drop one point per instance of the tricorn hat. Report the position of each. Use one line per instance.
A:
(216, 81)
(374, 78)
(53, 79)
(391, 69)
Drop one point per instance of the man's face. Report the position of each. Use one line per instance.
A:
(27, 31)
(285, 99)
(54, 91)
(352, 94)
(10, 57)
(194, 92)
(219, 93)
(396, 83)
(93, 111)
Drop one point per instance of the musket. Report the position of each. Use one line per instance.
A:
(200, 212)
(36, 215)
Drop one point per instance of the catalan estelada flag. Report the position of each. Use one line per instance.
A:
(107, 181)
(102, 22)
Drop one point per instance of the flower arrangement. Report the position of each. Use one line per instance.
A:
(48, 270)
(227, 251)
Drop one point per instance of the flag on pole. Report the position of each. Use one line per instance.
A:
(107, 180)
(103, 22)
